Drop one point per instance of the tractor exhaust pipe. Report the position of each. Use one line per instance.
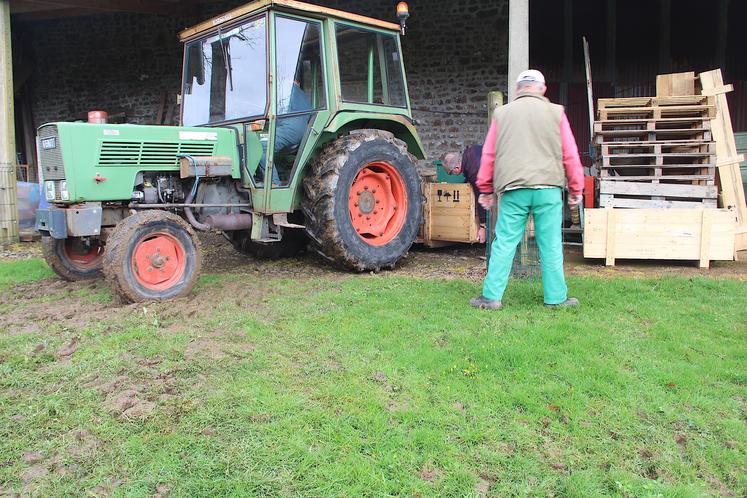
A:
(228, 222)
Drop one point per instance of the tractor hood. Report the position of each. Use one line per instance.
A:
(82, 162)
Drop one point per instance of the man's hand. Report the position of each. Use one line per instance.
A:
(481, 235)
(574, 200)
(486, 201)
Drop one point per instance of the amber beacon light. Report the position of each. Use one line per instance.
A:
(403, 12)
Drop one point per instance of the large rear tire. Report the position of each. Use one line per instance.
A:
(74, 258)
(363, 201)
(152, 256)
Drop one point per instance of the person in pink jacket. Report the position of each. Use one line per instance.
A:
(528, 157)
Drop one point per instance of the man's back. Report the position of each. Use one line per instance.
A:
(528, 147)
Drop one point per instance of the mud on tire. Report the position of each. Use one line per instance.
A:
(72, 259)
(329, 197)
(152, 256)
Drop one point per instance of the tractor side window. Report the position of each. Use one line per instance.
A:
(370, 67)
(300, 75)
(225, 75)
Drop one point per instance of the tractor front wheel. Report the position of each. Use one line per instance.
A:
(74, 258)
(152, 256)
(362, 201)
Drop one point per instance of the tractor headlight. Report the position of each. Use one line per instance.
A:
(64, 194)
(49, 190)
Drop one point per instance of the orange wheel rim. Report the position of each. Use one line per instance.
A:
(82, 256)
(158, 261)
(378, 203)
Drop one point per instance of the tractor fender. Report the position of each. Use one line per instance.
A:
(401, 126)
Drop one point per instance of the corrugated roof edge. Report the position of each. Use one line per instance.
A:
(256, 6)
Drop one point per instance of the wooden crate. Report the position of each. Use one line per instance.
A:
(449, 214)
(678, 234)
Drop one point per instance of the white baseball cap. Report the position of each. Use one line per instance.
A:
(531, 75)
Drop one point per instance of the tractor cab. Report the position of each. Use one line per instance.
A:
(270, 70)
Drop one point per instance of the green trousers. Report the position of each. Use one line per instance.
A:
(546, 205)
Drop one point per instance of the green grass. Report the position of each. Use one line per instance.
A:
(21, 271)
(384, 385)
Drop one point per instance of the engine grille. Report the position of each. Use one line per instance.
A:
(149, 153)
(51, 159)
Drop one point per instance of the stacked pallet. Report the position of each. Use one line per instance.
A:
(656, 152)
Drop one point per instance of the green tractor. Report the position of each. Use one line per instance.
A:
(296, 129)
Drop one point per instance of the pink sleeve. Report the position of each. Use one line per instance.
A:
(574, 171)
(487, 161)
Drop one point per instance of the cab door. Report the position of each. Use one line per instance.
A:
(298, 94)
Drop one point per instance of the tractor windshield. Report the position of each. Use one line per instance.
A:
(225, 75)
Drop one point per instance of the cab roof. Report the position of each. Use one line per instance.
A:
(285, 5)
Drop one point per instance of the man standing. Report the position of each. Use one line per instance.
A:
(528, 155)
(468, 163)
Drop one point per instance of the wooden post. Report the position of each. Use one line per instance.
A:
(518, 42)
(8, 194)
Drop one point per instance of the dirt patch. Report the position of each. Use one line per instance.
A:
(430, 474)
(69, 348)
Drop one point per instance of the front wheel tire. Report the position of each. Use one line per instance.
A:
(74, 258)
(152, 256)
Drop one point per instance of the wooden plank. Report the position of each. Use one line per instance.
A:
(610, 243)
(705, 238)
(589, 93)
(664, 166)
(608, 200)
(658, 177)
(675, 84)
(732, 190)
(664, 190)
(659, 234)
(718, 90)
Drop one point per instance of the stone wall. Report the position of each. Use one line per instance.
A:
(455, 53)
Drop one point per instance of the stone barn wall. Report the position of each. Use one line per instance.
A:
(455, 53)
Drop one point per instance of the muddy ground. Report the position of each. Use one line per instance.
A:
(458, 261)
(30, 307)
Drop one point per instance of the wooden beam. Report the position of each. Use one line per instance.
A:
(45, 15)
(8, 194)
(134, 6)
(727, 159)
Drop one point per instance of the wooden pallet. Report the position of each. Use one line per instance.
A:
(657, 152)
(639, 194)
(700, 235)
(652, 130)
(687, 106)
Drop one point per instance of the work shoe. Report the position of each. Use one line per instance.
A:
(571, 301)
(484, 303)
